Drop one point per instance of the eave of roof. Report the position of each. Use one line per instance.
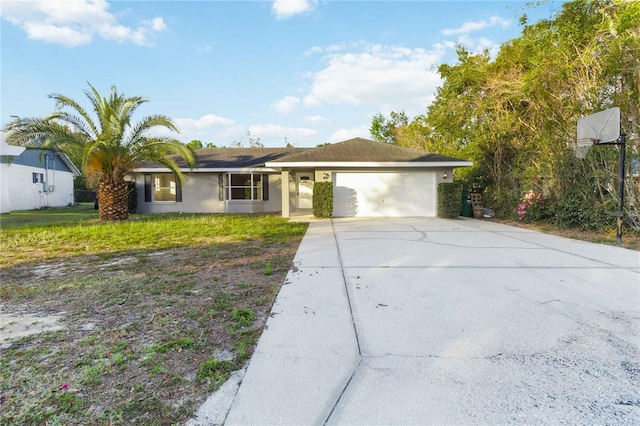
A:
(67, 161)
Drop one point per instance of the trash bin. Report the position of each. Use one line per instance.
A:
(467, 209)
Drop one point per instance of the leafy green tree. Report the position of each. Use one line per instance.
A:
(515, 115)
(385, 130)
(195, 144)
(108, 145)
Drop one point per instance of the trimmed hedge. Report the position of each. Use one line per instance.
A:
(322, 199)
(449, 199)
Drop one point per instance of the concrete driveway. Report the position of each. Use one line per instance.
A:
(431, 321)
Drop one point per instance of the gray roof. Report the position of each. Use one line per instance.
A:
(231, 158)
(363, 150)
(352, 150)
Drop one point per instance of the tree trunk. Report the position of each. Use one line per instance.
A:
(112, 199)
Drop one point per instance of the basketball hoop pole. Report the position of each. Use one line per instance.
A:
(622, 144)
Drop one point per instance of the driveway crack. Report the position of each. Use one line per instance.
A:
(355, 330)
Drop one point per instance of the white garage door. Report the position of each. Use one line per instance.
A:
(384, 194)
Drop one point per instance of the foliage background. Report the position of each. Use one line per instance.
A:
(515, 116)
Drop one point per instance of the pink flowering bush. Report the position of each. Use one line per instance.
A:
(532, 207)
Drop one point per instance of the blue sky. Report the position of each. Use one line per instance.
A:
(303, 72)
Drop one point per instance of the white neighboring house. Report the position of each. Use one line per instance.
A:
(33, 179)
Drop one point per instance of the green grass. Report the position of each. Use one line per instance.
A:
(73, 232)
(163, 294)
(49, 216)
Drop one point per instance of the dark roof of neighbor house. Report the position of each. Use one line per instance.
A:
(363, 150)
(231, 158)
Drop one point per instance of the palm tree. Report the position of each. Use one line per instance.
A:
(106, 148)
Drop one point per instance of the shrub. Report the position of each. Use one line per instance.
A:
(449, 199)
(574, 211)
(84, 196)
(323, 199)
(532, 207)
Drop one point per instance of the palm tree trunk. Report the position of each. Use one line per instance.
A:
(112, 199)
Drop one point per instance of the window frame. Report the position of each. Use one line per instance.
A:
(150, 186)
(258, 189)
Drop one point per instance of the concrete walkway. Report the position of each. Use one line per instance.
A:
(431, 321)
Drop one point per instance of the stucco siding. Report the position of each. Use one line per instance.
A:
(201, 194)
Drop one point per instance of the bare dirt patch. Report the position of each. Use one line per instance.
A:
(141, 339)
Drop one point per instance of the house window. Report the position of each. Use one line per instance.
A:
(245, 186)
(38, 178)
(162, 187)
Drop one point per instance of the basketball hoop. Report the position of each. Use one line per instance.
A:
(604, 128)
(581, 146)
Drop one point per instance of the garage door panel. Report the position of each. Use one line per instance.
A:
(384, 194)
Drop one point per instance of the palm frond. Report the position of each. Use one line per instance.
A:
(156, 148)
(146, 124)
(67, 102)
(107, 144)
(77, 122)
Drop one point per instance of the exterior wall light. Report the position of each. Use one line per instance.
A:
(445, 175)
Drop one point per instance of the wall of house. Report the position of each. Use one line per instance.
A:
(322, 175)
(201, 194)
(19, 192)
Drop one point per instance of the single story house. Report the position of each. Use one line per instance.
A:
(33, 178)
(370, 179)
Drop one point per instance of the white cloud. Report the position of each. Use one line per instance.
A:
(208, 121)
(54, 34)
(315, 119)
(274, 130)
(383, 77)
(75, 22)
(332, 48)
(157, 24)
(284, 9)
(286, 104)
(204, 49)
(354, 132)
(471, 26)
(208, 128)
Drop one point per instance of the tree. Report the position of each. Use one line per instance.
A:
(385, 130)
(516, 115)
(195, 144)
(254, 142)
(109, 144)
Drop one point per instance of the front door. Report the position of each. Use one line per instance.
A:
(305, 190)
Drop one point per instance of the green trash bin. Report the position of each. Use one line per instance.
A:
(467, 209)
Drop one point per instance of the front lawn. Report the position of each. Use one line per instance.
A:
(157, 311)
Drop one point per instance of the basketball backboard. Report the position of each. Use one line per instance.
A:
(601, 127)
